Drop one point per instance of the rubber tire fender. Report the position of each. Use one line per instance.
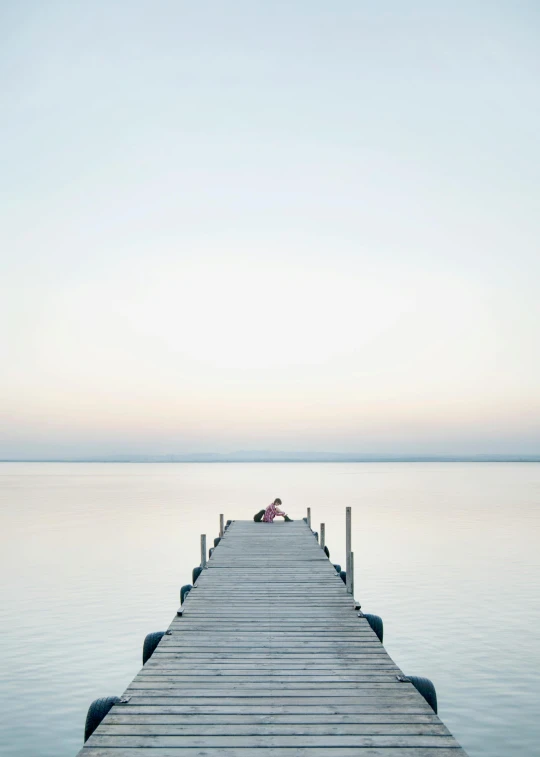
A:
(316, 535)
(210, 552)
(426, 688)
(195, 573)
(96, 712)
(228, 523)
(375, 621)
(337, 567)
(343, 576)
(150, 643)
(184, 591)
(326, 552)
(217, 540)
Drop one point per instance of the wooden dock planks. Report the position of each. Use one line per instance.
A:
(270, 659)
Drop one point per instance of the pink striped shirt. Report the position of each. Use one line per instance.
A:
(270, 513)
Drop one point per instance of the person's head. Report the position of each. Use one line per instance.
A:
(277, 501)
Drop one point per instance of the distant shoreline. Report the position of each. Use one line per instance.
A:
(419, 459)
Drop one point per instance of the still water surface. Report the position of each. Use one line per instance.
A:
(93, 555)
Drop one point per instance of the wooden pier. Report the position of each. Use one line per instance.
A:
(270, 658)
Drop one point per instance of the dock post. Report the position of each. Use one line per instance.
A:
(348, 546)
(203, 550)
(351, 580)
(322, 536)
(221, 525)
(309, 516)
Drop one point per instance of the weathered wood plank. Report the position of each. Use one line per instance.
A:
(326, 708)
(343, 651)
(130, 728)
(326, 742)
(269, 665)
(157, 715)
(166, 682)
(149, 696)
(254, 679)
(368, 751)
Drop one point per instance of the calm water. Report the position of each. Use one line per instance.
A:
(93, 557)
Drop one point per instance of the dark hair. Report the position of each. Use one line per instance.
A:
(277, 501)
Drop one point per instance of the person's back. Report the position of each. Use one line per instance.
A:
(273, 510)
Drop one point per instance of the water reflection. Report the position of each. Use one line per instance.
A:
(94, 555)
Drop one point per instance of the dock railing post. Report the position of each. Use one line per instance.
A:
(309, 516)
(348, 547)
(203, 550)
(221, 525)
(351, 568)
(322, 536)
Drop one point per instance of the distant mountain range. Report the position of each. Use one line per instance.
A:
(265, 456)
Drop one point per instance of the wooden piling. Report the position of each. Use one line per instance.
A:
(348, 546)
(203, 550)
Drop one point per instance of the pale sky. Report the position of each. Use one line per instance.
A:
(275, 225)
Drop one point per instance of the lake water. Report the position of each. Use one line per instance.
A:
(93, 556)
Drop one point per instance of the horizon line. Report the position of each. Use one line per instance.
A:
(278, 458)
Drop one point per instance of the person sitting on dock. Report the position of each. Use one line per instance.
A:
(273, 510)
